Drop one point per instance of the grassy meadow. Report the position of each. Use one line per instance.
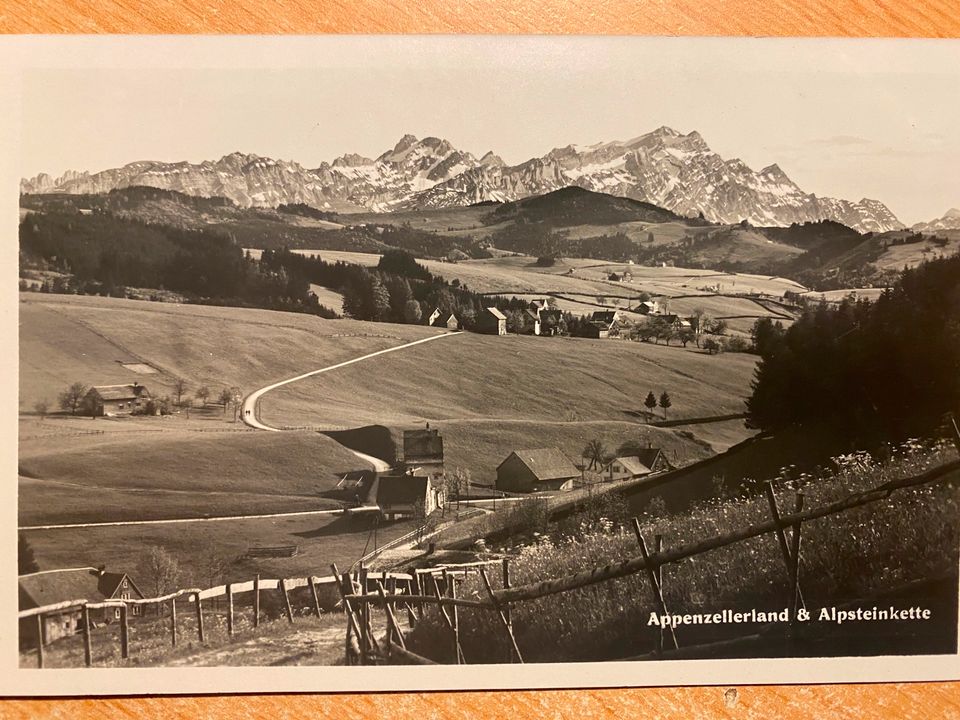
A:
(70, 338)
(482, 377)
(198, 546)
(149, 476)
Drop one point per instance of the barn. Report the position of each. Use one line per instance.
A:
(49, 587)
(492, 322)
(112, 400)
(535, 470)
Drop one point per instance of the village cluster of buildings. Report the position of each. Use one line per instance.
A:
(416, 485)
(538, 318)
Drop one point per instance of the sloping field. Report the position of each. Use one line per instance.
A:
(68, 338)
(137, 476)
(321, 539)
(490, 395)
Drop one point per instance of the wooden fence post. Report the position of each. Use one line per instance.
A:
(39, 641)
(313, 592)
(286, 599)
(124, 632)
(506, 584)
(514, 649)
(952, 418)
(781, 536)
(87, 648)
(256, 601)
(229, 609)
(173, 622)
(658, 548)
(199, 602)
(795, 565)
(654, 583)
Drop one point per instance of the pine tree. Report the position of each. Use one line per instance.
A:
(651, 401)
(665, 403)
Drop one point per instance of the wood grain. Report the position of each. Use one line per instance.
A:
(845, 18)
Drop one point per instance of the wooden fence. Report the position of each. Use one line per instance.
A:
(195, 599)
(363, 647)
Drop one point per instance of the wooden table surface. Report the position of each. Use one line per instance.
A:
(848, 18)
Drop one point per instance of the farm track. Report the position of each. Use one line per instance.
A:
(250, 407)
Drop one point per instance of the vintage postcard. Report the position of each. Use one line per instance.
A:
(371, 363)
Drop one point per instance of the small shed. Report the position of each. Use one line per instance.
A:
(492, 322)
(535, 470)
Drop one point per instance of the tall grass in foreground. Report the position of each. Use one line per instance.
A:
(909, 536)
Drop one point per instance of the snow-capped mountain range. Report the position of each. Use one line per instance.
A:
(949, 221)
(667, 168)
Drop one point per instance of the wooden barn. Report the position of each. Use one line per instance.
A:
(49, 587)
(492, 322)
(112, 400)
(535, 470)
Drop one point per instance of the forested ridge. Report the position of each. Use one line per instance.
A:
(875, 371)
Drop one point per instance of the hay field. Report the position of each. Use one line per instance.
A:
(70, 338)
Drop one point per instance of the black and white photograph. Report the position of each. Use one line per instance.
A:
(616, 361)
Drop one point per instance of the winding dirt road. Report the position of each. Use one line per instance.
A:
(249, 409)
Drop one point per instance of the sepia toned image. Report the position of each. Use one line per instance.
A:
(480, 351)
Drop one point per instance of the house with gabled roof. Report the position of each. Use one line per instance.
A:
(112, 400)
(626, 468)
(492, 322)
(49, 587)
(408, 495)
(444, 319)
(654, 458)
(537, 469)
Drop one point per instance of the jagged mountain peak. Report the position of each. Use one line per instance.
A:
(664, 167)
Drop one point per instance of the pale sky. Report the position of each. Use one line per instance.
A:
(847, 119)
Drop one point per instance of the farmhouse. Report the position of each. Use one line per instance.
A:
(49, 587)
(654, 458)
(604, 324)
(492, 322)
(626, 468)
(648, 307)
(113, 400)
(536, 470)
(678, 322)
(404, 496)
(551, 322)
(444, 319)
(422, 452)
(531, 322)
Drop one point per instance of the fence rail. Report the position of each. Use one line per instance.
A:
(445, 599)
